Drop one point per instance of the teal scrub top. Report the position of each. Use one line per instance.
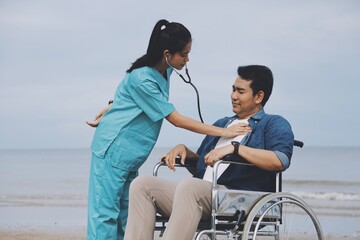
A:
(132, 125)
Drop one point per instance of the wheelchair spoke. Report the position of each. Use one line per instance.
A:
(294, 220)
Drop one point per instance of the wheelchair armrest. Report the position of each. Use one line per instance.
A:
(189, 162)
(228, 159)
(234, 158)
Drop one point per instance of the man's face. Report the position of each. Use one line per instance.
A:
(243, 102)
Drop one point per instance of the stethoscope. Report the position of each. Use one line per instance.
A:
(189, 82)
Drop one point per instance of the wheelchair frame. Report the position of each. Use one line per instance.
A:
(250, 226)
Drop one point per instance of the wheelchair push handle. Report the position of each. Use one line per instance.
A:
(298, 143)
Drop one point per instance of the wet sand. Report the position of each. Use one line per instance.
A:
(40, 203)
(37, 235)
(33, 234)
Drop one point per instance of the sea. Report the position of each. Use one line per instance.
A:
(47, 188)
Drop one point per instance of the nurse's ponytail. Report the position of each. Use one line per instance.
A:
(165, 36)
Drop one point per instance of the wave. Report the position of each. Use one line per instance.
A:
(17, 200)
(321, 182)
(43, 197)
(331, 196)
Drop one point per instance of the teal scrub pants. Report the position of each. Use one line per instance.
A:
(108, 200)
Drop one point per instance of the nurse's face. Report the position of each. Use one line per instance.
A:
(179, 59)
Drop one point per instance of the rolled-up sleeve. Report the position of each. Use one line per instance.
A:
(152, 100)
(285, 160)
(280, 139)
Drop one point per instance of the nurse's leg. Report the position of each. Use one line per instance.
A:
(96, 172)
(124, 204)
(110, 188)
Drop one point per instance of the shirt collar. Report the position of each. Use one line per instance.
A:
(163, 82)
(252, 120)
(258, 115)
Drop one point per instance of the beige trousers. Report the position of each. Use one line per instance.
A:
(185, 202)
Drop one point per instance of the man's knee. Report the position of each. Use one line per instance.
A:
(192, 187)
(139, 183)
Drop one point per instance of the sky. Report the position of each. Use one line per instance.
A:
(61, 61)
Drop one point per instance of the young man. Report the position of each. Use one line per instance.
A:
(268, 147)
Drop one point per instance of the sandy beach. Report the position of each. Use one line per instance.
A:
(64, 218)
(39, 203)
(65, 221)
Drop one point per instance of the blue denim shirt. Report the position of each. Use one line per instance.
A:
(269, 132)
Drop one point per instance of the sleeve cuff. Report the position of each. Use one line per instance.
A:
(284, 159)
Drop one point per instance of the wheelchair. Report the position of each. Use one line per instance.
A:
(240, 214)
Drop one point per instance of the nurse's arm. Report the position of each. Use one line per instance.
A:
(190, 124)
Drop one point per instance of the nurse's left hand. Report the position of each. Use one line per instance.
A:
(98, 117)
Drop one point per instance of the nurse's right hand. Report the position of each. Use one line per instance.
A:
(98, 117)
(236, 130)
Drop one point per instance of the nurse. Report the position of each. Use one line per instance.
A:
(130, 126)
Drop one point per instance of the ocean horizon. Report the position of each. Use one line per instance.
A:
(35, 180)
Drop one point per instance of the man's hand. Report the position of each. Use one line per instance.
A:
(217, 154)
(236, 130)
(169, 158)
(98, 117)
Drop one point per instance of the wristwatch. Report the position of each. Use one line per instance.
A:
(236, 147)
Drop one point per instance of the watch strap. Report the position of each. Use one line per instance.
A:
(236, 147)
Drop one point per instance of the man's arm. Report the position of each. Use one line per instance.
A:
(180, 150)
(264, 159)
(279, 140)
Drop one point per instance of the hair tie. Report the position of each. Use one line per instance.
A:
(165, 25)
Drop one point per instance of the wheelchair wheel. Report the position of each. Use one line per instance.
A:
(281, 216)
